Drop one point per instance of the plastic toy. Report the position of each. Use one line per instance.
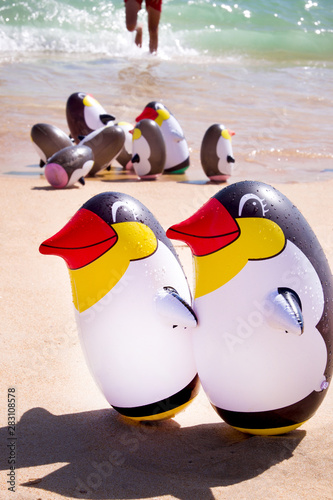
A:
(216, 153)
(263, 298)
(148, 150)
(68, 166)
(177, 152)
(105, 142)
(84, 115)
(131, 303)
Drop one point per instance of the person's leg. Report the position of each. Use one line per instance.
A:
(132, 8)
(153, 22)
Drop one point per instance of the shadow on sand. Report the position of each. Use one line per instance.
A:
(108, 457)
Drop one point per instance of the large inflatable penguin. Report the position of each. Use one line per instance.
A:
(216, 153)
(105, 142)
(48, 139)
(84, 115)
(148, 150)
(68, 166)
(131, 303)
(177, 152)
(263, 298)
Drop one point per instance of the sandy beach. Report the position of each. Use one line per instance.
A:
(264, 70)
(69, 442)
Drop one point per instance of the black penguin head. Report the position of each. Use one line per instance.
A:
(256, 199)
(114, 207)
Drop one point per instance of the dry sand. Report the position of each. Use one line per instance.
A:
(70, 443)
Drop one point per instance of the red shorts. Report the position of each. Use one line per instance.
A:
(154, 4)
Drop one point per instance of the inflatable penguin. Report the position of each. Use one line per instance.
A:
(48, 139)
(216, 153)
(131, 303)
(177, 152)
(85, 114)
(263, 299)
(68, 166)
(148, 150)
(106, 143)
(125, 155)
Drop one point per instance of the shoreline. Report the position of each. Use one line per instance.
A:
(279, 170)
(71, 443)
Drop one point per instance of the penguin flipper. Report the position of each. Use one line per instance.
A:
(287, 313)
(174, 309)
(106, 118)
(135, 158)
(177, 137)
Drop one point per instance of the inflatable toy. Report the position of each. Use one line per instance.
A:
(125, 156)
(177, 152)
(48, 139)
(85, 114)
(68, 166)
(148, 150)
(105, 142)
(131, 304)
(216, 153)
(263, 299)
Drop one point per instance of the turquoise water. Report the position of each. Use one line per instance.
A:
(261, 28)
(264, 69)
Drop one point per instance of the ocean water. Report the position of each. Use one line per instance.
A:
(263, 69)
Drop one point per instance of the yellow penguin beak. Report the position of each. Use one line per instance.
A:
(136, 134)
(89, 100)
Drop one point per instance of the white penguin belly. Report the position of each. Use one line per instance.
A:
(244, 361)
(223, 150)
(135, 357)
(176, 152)
(142, 148)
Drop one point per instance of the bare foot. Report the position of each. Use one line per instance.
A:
(138, 36)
